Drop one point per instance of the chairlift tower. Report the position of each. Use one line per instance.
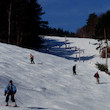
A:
(65, 43)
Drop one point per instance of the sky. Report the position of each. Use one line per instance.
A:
(71, 15)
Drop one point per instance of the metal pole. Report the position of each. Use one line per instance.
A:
(65, 43)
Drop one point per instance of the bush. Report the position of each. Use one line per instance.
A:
(102, 67)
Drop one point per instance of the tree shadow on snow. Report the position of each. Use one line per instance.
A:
(57, 48)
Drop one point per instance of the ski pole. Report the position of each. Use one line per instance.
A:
(19, 100)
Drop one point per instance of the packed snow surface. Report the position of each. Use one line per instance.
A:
(49, 84)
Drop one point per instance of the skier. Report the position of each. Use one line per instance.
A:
(97, 77)
(74, 69)
(10, 90)
(32, 59)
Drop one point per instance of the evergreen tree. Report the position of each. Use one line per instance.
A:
(3, 20)
(103, 23)
(96, 26)
(91, 24)
(89, 29)
(20, 22)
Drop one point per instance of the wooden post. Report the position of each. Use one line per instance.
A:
(105, 35)
(106, 46)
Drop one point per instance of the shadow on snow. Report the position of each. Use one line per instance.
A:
(57, 48)
(36, 108)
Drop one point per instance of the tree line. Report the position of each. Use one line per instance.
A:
(56, 32)
(96, 27)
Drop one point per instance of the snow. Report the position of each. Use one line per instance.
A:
(49, 83)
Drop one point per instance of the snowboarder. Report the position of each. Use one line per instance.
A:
(74, 69)
(10, 90)
(97, 77)
(32, 59)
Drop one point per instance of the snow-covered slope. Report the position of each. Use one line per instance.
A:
(49, 83)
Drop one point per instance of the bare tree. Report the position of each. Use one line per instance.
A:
(9, 21)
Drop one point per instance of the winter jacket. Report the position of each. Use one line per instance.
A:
(96, 75)
(31, 56)
(74, 68)
(10, 88)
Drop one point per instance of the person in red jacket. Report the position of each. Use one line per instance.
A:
(32, 59)
(97, 77)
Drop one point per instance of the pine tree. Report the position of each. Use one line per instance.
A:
(91, 24)
(20, 22)
(3, 20)
(33, 25)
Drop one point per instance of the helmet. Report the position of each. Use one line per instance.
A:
(10, 81)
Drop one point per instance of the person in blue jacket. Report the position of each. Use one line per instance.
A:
(10, 90)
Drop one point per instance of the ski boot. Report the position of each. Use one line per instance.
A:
(6, 104)
(14, 104)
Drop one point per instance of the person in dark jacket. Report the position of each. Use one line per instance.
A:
(10, 90)
(74, 69)
(97, 77)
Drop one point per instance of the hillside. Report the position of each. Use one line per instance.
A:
(49, 83)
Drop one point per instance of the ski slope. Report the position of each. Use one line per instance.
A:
(49, 84)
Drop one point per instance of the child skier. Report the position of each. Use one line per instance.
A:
(97, 77)
(32, 59)
(10, 90)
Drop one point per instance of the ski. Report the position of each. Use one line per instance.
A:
(9, 105)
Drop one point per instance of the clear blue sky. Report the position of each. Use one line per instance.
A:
(71, 14)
